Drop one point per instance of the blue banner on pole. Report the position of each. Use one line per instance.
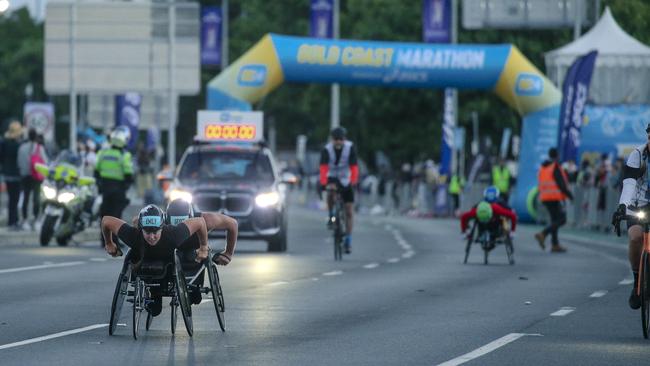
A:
(448, 126)
(436, 21)
(321, 19)
(127, 113)
(575, 91)
(211, 35)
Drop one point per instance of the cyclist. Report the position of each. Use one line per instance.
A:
(154, 241)
(339, 170)
(180, 210)
(635, 195)
(489, 213)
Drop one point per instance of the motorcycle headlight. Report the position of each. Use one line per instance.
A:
(267, 199)
(49, 192)
(640, 214)
(66, 197)
(180, 194)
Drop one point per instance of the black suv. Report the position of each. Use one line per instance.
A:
(240, 181)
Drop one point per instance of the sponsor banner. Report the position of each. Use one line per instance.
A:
(230, 126)
(211, 35)
(40, 117)
(505, 143)
(436, 21)
(321, 22)
(448, 126)
(575, 91)
(127, 113)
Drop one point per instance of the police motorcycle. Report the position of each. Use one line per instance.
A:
(67, 199)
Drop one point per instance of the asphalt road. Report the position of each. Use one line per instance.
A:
(403, 297)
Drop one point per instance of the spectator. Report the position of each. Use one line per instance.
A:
(31, 152)
(9, 155)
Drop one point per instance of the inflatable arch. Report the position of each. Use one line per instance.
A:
(500, 68)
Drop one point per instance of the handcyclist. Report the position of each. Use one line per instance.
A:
(180, 210)
(636, 196)
(339, 170)
(151, 240)
(489, 213)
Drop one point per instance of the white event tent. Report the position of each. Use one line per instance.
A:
(622, 74)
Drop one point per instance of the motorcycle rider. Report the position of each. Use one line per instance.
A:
(114, 174)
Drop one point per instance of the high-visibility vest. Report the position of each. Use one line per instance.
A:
(501, 178)
(548, 189)
(114, 164)
(455, 184)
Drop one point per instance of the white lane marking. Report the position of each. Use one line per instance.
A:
(98, 259)
(43, 266)
(52, 336)
(314, 278)
(278, 283)
(408, 254)
(371, 265)
(599, 293)
(486, 349)
(393, 260)
(333, 273)
(563, 311)
(627, 281)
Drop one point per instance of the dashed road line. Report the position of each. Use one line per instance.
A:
(627, 281)
(486, 349)
(333, 273)
(278, 283)
(599, 293)
(393, 260)
(43, 266)
(52, 336)
(563, 311)
(371, 265)
(98, 259)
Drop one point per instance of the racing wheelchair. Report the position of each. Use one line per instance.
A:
(488, 236)
(174, 280)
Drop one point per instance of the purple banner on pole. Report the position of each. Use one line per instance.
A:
(211, 35)
(127, 113)
(447, 133)
(321, 19)
(575, 91)
(436, 21)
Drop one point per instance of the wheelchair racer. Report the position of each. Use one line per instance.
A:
(151, 240)
(489, 213)
(180, 210)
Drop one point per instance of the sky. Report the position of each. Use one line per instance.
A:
(31, 4)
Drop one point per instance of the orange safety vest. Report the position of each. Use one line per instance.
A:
(548, 189)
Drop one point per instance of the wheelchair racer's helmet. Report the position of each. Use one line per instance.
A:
(178, 211)
(491, 194)
(151, 218)
(484, 212)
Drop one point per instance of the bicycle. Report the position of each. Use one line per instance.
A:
(643, 280)
(338, 221)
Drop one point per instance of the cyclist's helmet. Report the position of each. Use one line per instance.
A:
(491, 194)
(151, 218)
(120, 137)
(484, 212)
(178, 211)
(339, 133)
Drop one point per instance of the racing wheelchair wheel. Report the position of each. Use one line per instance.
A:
(121, 290)
(644, 293)
(181, 293)
(138, 305)
(217, 293)
(510, 249)
(468, 246)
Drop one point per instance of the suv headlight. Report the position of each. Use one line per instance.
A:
(66, 197)
(48, 192)
(267, 199)
(180, 194)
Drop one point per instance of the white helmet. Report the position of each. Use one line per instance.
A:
(120, 137)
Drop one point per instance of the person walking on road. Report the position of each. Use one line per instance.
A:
(30, 153)
(114, 174)
(9, 156)
(553, 191)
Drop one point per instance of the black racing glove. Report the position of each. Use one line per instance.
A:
(619, 214)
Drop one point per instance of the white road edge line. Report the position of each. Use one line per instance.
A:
(599, 293)
(52, 336)
(486, 349)
(371, 265)
(42, 266)
(393, 260)
(563, 311)
(333, 273)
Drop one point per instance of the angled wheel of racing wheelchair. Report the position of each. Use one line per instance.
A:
(121, 291)
(138, 305)
(180, 293)
(217, 293)
(470, 239)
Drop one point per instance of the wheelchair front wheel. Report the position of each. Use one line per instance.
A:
(510, 250)
(121, 290)
(217, 294)
(181, 293)
(138, 306)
